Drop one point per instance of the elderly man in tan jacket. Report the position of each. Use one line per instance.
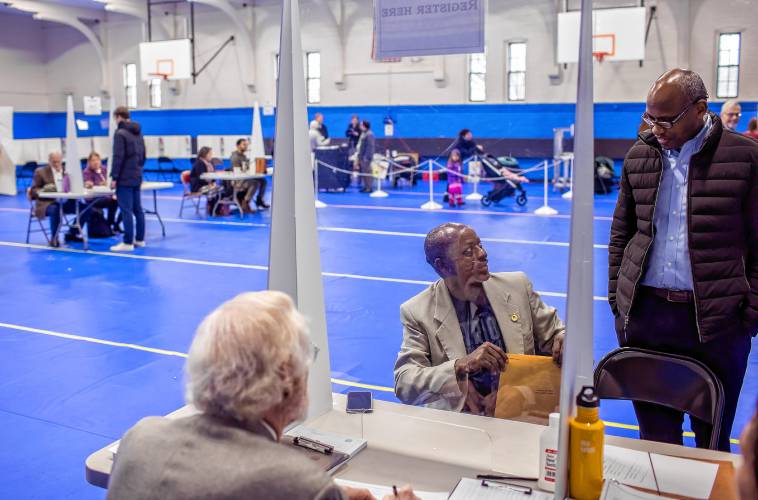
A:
(457, 332)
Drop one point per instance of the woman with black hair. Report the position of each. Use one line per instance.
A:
(466, 145)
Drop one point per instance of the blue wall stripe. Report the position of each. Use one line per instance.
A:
(533, 121)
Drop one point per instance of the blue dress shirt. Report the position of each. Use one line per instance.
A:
(668, 264)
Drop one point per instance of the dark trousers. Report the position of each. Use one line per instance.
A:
(69, 207)
(660, 325)
(111, 206)
(130, 202)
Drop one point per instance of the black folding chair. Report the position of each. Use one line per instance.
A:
(166, 164)
(677, 382)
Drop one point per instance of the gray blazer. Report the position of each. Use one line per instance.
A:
(433, 341)
(202, 457)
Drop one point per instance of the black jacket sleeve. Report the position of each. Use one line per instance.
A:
(119, 155)
(623, 227)
(750, 311)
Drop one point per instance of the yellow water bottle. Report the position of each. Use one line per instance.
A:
(587, 436)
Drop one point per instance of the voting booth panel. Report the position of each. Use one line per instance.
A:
(172, 146)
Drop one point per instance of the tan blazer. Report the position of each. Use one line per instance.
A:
(433, 341)
(42, 176)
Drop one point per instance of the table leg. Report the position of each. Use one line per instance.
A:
(155, 212)
(61, 219)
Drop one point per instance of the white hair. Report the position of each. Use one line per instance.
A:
(246, 356)
(730, 104)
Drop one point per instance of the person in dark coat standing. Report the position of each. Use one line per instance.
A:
(353, 133)
(683, 251)
(126, 172)
(466, 145)
(366, 150)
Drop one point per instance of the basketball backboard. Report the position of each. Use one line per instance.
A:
(617, 35)
(167, 59)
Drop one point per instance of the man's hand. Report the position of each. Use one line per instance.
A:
(357, 493)
(487, 357)
(404, 493)
(513, 402)
(113, 184)
(558, 348)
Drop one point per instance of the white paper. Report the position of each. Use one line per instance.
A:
(613, 490)
(472, 489)
(114, 449)
(683, 477)
(380, 491)
(628, 467)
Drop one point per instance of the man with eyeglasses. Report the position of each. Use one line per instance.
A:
(683, 251)
(731, 112)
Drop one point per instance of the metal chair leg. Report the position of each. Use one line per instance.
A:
(181, 207)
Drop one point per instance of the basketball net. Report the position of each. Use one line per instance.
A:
(600, 56)
(162, 76)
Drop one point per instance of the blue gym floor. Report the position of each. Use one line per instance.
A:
(74, 325)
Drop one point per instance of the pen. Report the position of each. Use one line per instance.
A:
(394, 491)
(515, 487)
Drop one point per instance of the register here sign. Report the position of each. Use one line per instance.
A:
(427, 27)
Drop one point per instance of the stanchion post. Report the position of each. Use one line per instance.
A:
(475, 196)
(545, 209)
(319, 203)
(431, 204)
(378, 193)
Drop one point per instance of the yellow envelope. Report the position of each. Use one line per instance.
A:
(529, 389)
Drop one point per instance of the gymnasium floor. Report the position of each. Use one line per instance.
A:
(93, 341)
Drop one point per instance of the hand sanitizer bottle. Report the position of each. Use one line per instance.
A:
(549, 454)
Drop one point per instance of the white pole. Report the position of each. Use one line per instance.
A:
(475, 196)
(577, 351)
(378, 193)
(431, 204)
(294, 258)
(319, 203)
(545, 209)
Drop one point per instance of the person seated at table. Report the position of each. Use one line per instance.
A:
(249, 188)
(95, 175)
(247, 375)
(747, 473)
(203, 164)
(457, 332)
(752, 128)
(53, 178)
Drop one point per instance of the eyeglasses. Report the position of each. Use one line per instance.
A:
(733, 115)
(652, 122)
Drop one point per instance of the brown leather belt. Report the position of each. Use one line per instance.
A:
(678, 296)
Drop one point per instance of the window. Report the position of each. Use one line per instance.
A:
(728, 66)
(130, 85)
(477, 77)
(155, 93)
(313, 77)
(516, 71)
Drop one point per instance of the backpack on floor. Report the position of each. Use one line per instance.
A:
(97, 226)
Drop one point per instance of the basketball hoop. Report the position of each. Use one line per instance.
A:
(162, 76)
(600, 56)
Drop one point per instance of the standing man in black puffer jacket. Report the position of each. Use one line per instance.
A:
(128, 159)
(683, 252)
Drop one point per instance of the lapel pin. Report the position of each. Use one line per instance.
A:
(514, 317)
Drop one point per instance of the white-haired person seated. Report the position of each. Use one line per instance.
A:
(247, 374)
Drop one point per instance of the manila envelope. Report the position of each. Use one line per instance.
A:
(536, 377)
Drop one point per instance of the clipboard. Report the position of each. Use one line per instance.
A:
(322, 455)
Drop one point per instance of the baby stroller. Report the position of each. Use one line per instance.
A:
(501, 188)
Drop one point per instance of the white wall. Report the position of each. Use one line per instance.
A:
(23, 69)
(683, 33)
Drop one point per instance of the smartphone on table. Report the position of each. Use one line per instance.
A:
(359, 402)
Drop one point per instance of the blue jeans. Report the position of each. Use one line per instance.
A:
(69, 207)
(130, 202)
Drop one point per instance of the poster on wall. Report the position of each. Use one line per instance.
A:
(93, 106)
(427, 27)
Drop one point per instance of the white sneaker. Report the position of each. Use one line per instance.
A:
(139, 244)
(122, 247)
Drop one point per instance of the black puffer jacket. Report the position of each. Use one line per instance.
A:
(722, 220)
(128, 154)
